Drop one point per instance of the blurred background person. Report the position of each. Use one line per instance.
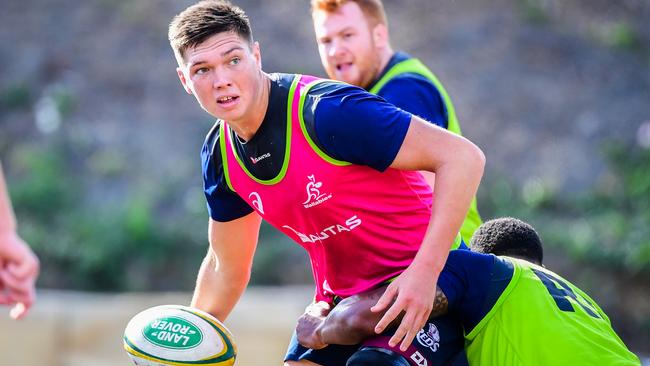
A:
(354, 47)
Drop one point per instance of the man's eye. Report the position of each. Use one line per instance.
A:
(235, 61)
(348, 35)
(201, 70)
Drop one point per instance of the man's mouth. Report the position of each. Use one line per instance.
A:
(227, 99)
(343, 66)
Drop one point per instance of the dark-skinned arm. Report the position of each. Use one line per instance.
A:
(351, 321)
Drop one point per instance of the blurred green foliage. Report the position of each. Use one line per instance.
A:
(144, 237)
(64, 99)
(620, 35)
(98, 244)
(15, 96)
(533, 11)
(606, 226)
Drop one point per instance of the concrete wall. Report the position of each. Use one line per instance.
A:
(79, 329)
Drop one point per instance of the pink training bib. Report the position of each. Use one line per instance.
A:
(360, 227)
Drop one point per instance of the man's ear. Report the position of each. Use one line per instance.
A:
(257, 53)
(181, 77)
(380, 35)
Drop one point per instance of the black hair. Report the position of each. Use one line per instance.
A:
(508, 236)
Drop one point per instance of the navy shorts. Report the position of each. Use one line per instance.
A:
(440, 342)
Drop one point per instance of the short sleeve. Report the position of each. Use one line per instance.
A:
(355, 126)
(472, 283)
(223, 204)
(417, 95)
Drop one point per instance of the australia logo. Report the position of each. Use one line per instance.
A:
(256, 201)
(314, 195)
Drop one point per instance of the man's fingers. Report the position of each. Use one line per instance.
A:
(17, 291)
(397, 336)
(403, 329)
(407, 330)
(23, 270)
(385, 300)
(26, 298)
(5, 299)
(390, 315)
(21, 302)
(18, 311)
(19, 260)
(408, 339)
(13, 284)
(413, 330)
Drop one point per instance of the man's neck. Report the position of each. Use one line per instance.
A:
(386, 55)
(247, 127)
(384, 58)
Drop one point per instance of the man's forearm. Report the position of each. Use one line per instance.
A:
(226, 269)
(215, 291)
(351, 321)
(452, 201)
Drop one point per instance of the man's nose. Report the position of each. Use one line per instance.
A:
(336, 48)
(221, 81)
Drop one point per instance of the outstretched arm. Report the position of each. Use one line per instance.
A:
(225, 271)
(19, 266)
(351, 321)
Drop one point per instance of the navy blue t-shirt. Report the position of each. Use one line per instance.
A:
(413, 93)
(470, 292)
(346, 122)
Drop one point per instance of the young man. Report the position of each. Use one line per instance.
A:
(301, 153)
(354, 47)
(521, 314)
(18, 264)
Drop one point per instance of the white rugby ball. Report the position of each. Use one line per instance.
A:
(178, 335)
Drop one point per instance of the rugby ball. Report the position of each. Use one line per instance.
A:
(178, 335)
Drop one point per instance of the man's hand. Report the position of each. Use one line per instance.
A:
(308, 328)
(19, 269)
(413, 291)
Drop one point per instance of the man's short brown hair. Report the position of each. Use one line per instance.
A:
(372, 9)
(204, 19)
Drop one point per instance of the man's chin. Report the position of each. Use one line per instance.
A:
(225, 116)
(348, 77)
(229, 113)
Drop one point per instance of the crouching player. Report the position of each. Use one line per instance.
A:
(519, 314)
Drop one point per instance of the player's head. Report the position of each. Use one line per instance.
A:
(508, 236)
(352, 37)
(218, 61)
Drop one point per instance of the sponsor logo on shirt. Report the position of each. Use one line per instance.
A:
(314, 195)
(419, 359)
(429, 338)
(330, 231)
(261, 157)
(256, 201)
